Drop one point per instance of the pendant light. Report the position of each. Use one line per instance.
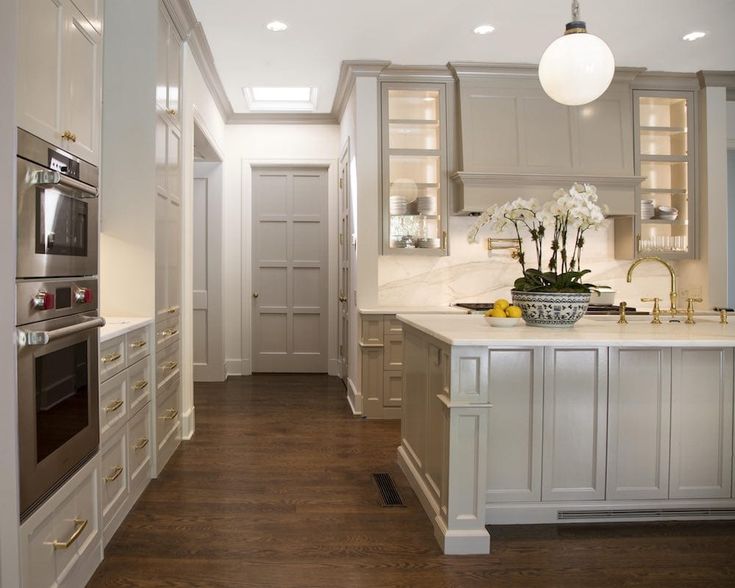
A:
(578, 67)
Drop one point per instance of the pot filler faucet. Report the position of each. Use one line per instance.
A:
(673, 311)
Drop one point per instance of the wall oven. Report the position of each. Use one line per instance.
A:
(58, 390)
(57, 211)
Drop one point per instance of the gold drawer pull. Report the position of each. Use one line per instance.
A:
(79, 525)
(172, 414)
(170, 332)
(173, 310)
(171, 365)
(141, 385)
(110, 357)
(69, 136)
(117, 470)
(140, 444)
(114, 406)
(139, 344)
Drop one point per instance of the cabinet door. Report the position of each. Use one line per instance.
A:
(372, 381)
(162, 60)
(173, 162)
(701, 423)
(392, 388)
(575, 424)
(515, 384)
(92, 11)
(162, 244)
(161, 157)
(80, 78)
(639, 420)
(39, 39)
(173, 62)
(173, 255)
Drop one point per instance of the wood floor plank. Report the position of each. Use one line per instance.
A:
(274, 490)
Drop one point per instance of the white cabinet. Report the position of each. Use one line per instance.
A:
(59, 74)
(381, 356)
(168, 82)
(575, 423)
(701, 423)
(515, 384)
(60, 543)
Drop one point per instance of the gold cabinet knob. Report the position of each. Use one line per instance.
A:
(171, 111)
(69, 136)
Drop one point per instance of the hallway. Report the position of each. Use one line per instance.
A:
(274, 490)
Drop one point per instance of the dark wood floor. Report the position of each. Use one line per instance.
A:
(275, 491)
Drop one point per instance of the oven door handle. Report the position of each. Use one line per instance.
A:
(46, 337)
(54, 178)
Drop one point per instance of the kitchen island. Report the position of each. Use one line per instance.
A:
(600, 422)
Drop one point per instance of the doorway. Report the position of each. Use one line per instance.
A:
(345, 242)
(207, 299)
(290, 269)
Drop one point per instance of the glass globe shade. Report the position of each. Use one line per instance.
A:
(576, 69)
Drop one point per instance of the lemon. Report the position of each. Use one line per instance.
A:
(513, 312)
(489, 312)
(497, 313)
(501, 303)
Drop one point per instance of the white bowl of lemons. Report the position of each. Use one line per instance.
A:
(503, 314)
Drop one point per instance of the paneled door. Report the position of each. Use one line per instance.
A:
(345, 241)
(289, 269)
(207, 275)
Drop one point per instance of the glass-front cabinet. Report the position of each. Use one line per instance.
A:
(665, 148)
(414, 168)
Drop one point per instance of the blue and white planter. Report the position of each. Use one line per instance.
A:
(551, 309)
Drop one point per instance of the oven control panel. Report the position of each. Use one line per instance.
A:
(43, 300)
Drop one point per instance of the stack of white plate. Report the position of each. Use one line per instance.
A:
(398, 205)
(648, 209)
(428, 243)
(666, 213)
(426, 205)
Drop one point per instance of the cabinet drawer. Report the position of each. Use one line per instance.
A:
(167, 365)
(167, 331)
(63, 532)
(393, 352)
(139, 384)
(392, 388)
(112, 357)
(113, 476)
(167, 312)
(138, 344)
(371, 330)
(168, 424)
(113, 405)
(139, 448)
(392, 326)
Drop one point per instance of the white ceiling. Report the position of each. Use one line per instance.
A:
(323, 33)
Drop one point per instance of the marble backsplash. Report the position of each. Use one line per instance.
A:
(473, 274)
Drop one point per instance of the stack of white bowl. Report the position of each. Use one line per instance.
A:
(648, 209)
(666, 213)
(398, 205)
(426, 205)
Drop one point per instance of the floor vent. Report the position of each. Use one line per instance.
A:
(698, 513)
(389, 495)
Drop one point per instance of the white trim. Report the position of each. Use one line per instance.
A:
(237, 367)
(201, 122)
(334, 368)
(187, 424)
(246, 246)
(354, 397)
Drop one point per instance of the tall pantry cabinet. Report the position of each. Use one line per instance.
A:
(168, 240)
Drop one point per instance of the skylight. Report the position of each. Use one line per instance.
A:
(273, 98)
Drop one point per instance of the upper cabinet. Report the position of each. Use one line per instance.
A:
(168, 82)
(59, 74)
(516, 140)
(414, 163)
(665, 155)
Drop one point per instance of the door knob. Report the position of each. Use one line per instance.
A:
(255, 294)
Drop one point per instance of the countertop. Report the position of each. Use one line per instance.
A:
(453, 310)
(602, 331)
(117, 325)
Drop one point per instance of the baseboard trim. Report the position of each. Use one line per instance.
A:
(354, 398)
(187, 424)
(334, 368)
(237, 367)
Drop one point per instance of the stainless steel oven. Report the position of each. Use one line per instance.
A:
(58, 395)
(57, 212)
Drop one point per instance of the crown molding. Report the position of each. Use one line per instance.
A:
(474, 69)
(182, 15)
(205, 60)
(418, 73)
(726, 79)
(349, 71)
(282, 118)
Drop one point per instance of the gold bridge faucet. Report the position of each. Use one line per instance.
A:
(673, 292)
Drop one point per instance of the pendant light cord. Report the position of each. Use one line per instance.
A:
(575, 10)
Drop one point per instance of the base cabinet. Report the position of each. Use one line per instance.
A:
(381, 363)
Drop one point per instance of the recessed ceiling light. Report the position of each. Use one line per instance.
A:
(693, 36)
(276, 26)
(484, 29)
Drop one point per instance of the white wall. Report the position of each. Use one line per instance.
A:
(9, 510)
(266, 144)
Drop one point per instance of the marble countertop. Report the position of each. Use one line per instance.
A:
(117, 325)
(412, 310)
(602, 331)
